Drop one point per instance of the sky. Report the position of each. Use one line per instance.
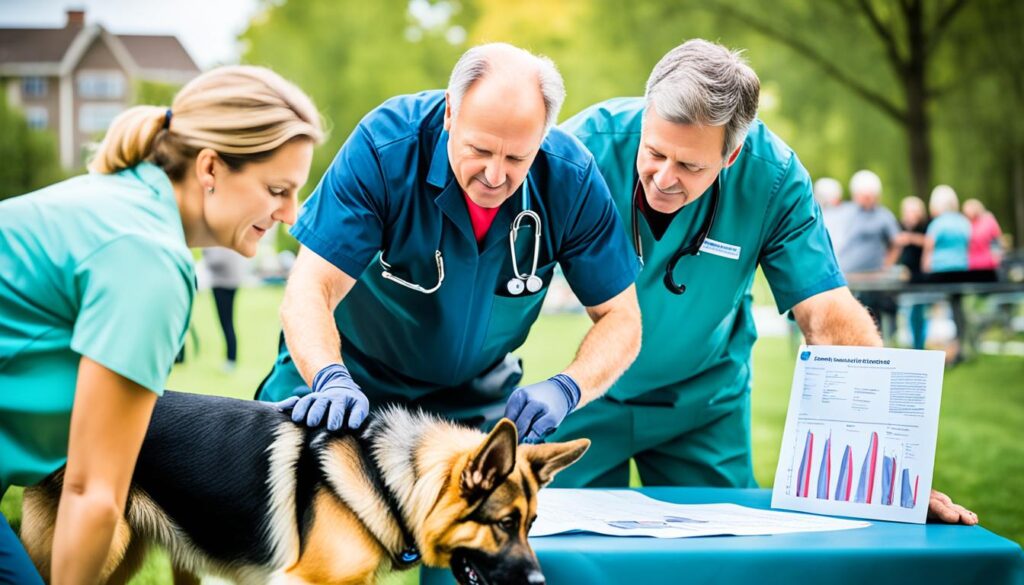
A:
(207, 28)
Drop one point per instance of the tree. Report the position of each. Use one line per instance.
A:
(908, 32)
(30, 156)
(832, 73)
(981, 140)
(351, 55)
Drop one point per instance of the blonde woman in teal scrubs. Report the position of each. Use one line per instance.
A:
(97, 282)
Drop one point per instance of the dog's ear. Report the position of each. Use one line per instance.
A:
(492, 462)
(547, 459)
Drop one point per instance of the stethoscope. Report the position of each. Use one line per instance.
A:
(524, 280)
(520, 281)
(693, 249)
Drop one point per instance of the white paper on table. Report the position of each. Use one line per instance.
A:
(860, 433)
(631, 513)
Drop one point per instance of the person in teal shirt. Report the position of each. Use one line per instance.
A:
(949, 233)
(427, 250)
(97, 283)
(707, 194)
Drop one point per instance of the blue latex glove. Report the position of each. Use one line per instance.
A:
(539, 408)
(335, 393)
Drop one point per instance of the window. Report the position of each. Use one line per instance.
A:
(38, 117)
(33, 87)
(101, 85)
(96, 117)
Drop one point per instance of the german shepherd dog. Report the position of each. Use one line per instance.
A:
(234, 488)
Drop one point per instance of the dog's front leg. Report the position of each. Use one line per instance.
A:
(338, 549)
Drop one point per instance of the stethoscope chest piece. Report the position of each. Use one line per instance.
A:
(533, 283)
(515, 286)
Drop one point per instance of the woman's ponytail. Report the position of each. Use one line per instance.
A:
(129, 140)
(243, 113)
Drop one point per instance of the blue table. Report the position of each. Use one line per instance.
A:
(885, 552)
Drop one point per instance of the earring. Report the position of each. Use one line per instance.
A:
(209, 190)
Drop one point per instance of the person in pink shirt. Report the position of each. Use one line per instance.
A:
(983, 253)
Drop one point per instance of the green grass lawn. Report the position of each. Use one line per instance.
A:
(979, 460)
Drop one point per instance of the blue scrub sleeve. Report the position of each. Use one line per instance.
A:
(342, 221)
(596, 256)
(797, 256)
(15, 566)
(134, 304)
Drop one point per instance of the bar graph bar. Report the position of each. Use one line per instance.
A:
(888, 479)
(908, 494)
(845, 482)
(866, 485)
(825, 470)
(803, 479)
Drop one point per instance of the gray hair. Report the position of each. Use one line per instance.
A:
(476, 63)
(704, 83)
(865, 181)
(943, 199)
(828, 191)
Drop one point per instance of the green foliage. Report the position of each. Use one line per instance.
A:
(353, 55)
(349, 55)
(154, 93)
(29, 156)
(980, 143)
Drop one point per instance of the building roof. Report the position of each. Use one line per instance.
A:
(158, 52)
(42, 51)
(36, 45)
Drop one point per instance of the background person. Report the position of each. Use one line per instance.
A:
(870, 244)
(226, 268)
(828, 193)
(914, 219)
(984, 252)
(97, 282)
(944, 257)
(948, 235)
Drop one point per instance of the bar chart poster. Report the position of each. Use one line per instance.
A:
(860, 433)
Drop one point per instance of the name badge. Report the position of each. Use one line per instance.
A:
(720, 249)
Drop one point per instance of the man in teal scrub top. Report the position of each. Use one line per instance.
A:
(429, 245)
(707, 194)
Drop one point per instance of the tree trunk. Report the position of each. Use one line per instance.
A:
(918, 136)
(918, 126)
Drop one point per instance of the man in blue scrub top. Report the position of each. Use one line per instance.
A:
(429, 245)
(691, 169)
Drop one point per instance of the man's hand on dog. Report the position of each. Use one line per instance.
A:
(539, 408)
(334, 393)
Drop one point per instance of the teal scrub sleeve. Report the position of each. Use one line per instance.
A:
(343, 220)
(596, 257)
(797, 256)
(134, 304)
